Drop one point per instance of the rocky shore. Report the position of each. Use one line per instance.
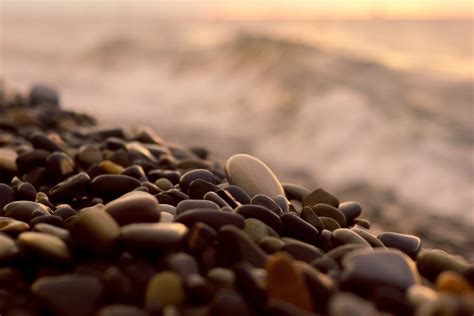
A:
(118, 222)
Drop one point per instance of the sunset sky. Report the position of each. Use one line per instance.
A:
(264, 9)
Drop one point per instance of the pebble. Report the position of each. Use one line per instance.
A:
(369, 237)
(65, 191)
(280, 270)
(351, 210)
(329, 223)
(347, 304)
(236, 246)
(7, 195)
(8, 158)
(190, 204)
(192, 175)
(164, 184)
(320, 196)
(25, 210)
(295, 191)
(252, 175)
(120, 310)
(12, 227)
(8, 248)
(45, 246)
(230, 303)
(89, 154)
(95, 232)
(261, 213)
(299, 229)
(69, 294)
(309, 216)
(58, 232)
(409, 244)
(301, 250)
(452, 282)
(238, 193)
(432, 262)
(164, 288)
(134, 207)
(331, 212)
(43, 94)
(419, 294)
(148, 237)
(212, 217)
(112, 186)
(367, 269)
(199, 187)
(255, 229)
(110, 167)
(271, 244)
(343, 236)
(265, 201)
(60, 165)
(40, 141)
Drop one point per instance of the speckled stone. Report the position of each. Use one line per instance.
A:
(252, 175)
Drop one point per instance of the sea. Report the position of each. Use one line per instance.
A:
(373, 110)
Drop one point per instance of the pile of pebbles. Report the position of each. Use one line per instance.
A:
(109, 222)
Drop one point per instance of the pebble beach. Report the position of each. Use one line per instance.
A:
(115, 221)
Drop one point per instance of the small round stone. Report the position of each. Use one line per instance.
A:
(69, 294)
(255, 229)
(7, 195)
(409, 244)
(452, 282)
(343, 236)
(286, 282)
(329, 223)
(147, 237)
(8, 248)
(299, 229)
(46, 246)
(25, 211)
(186, 205)
(43, 94)
(252, 175)
(432, 262)
(134, 207)
(214, 218)
(295, 191)
(60, 165)
(65, 191)
(351, 210)
(95, 232)
(320, 196)
(261, 213)
(330, 211)
(165, 288)
(111, 186)
(192, 175)
(309, 216)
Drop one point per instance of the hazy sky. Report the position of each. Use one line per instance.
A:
(250, 9)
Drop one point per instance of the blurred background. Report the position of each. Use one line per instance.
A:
(370, 99)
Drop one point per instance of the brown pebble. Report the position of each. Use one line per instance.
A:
(286, 282)
(452, 282)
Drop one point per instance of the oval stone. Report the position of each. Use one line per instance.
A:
(134, 207)
(186, 205)
(8, 248)
(214, 218)
(46, 246)
(261, 213)
(299, 229)
(320, 196)
(343, 236)
(409, 244)
(351, 210)
(65, 191)
(69, 294)
(149, 237)
(366, 269)
(432, 262)
(165, 288)
(252, 175)
(111, 186)
(192, 175)
(25, 210)
(95, 232)
(286, 282)
(330, 211)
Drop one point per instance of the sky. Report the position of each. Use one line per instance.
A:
(261, 9)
